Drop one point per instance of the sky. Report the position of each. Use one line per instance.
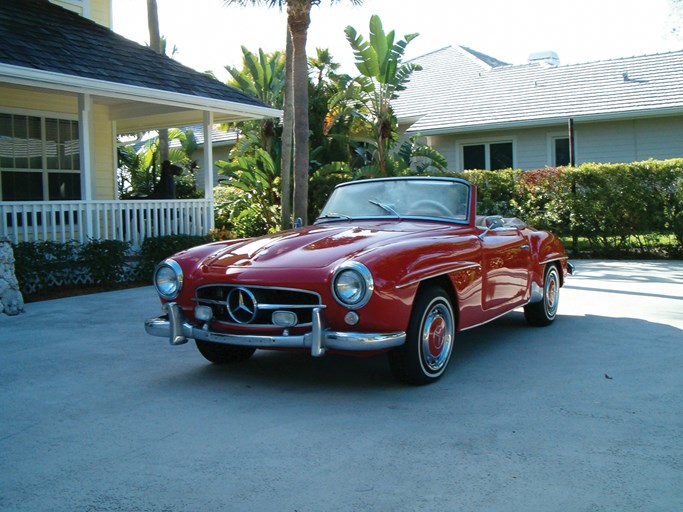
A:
(209, 34)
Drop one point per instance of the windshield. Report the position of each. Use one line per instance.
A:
(399, 198)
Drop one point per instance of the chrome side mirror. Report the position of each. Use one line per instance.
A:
(492, 222)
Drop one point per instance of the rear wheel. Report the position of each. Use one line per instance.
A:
(218, 353)
(429, 342)
(543, 313)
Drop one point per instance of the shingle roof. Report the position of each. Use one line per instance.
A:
(459, 90)
(37, 34)
(218, 136)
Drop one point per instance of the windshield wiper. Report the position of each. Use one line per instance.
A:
(384, 207)
(333, 215)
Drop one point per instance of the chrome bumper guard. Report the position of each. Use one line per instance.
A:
(178, 330)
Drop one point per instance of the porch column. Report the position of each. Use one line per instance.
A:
(87, 140)
(207, 165)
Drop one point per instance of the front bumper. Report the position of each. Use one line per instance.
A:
(178, 330)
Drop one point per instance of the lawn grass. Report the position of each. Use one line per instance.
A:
(643, 246)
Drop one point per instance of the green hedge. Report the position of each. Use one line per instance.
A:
(43, 265)
(615, 210)
(97, 264)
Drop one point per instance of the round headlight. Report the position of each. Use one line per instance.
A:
(168, 279)
(352, 285)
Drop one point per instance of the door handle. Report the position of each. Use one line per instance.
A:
(524, 247)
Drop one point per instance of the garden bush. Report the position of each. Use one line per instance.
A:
(617, 210)
(234, 213)
(45, 268)
(104, 260)
(51, 265)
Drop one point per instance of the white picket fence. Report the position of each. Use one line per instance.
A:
(130, 221)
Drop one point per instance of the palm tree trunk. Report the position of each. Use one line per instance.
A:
(298, 20)
(286, 153)
(155, 44)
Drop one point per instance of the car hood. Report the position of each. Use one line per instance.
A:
(314, 246)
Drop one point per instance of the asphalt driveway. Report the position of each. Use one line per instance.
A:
(584, 415)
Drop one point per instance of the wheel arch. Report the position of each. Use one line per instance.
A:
(557, 263)
(447, 285)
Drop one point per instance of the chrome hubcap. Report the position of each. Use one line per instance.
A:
(552, 293)
(437, 337)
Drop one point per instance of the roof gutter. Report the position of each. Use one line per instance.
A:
(62, 82)
(558, 120)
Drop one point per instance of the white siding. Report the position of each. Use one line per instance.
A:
(618, 142)
(629, 141)
(532, 148)
(444, 144)
(605, 142)
(659, 138)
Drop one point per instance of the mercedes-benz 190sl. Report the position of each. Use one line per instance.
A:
(395, 265)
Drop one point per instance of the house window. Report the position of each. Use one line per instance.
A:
(474, 156)
(560, 151)
(492, 156)
(39, 159)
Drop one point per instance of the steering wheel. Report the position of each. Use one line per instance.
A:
(419, 208)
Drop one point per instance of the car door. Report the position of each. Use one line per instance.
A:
(505, 262)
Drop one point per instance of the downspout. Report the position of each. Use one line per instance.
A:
(572, 163)
(572, 150)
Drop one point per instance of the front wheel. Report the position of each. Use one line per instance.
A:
(543, 313)
(218, 353)
(429, 342)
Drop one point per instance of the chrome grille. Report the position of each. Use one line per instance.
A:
(254, 305)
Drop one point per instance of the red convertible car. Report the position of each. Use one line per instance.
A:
(395, 265)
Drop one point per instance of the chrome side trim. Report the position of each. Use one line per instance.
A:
(550, 260)
(458, 269)
(489, 320)
(178, 330)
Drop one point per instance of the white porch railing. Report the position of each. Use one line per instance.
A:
(129, 221)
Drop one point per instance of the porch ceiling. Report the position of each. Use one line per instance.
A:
(139, 116)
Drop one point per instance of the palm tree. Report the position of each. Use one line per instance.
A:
(383, 76)
(262, 76)
(157, 44)
(298, 20)
(286, 142)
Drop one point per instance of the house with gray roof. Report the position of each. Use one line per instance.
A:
(68, 86)
(481, 113)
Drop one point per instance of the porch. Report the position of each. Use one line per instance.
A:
(128, 221)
